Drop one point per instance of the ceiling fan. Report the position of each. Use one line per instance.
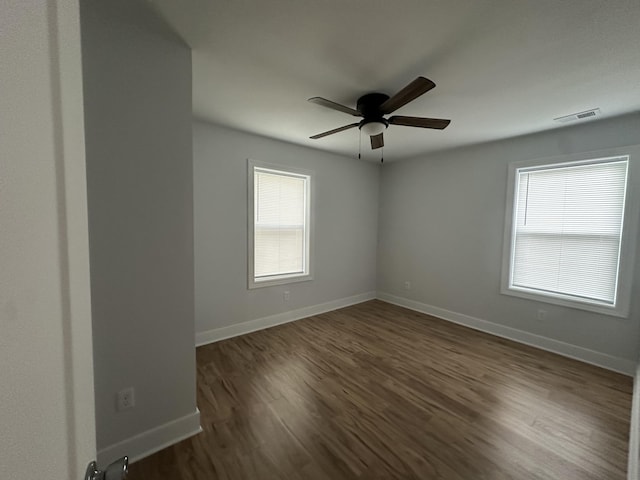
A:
(372, 107)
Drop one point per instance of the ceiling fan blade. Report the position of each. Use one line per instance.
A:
(437, 123)
(335, 130)
(334, 106)
(377, 141)
(412, 91)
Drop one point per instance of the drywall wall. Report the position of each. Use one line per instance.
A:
(344, 239)
(137, 84)
(441, 228)
(46, 377)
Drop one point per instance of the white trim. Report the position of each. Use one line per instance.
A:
(309, 176)
(616, 364)
(70, 163)
(152, 441)
(217, 334)
(633, 468)
(629, 233)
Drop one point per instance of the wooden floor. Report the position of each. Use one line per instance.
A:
(375, 391)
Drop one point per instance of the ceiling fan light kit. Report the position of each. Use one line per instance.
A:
(372, 107)
(374, 127)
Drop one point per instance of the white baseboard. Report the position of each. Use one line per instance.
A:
(217, 334)
(620, 365)
(152, 441)
(633, 469)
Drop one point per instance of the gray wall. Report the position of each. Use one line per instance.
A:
(345, 234)
(441, 227)
(137, 84)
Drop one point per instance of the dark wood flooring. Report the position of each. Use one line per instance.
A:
(375, 391)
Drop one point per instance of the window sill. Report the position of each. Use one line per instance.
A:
(281, 280)
(614, 311)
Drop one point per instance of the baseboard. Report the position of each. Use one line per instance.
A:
(152, 441)
(217, 334)
(633, 469)
(620, 365)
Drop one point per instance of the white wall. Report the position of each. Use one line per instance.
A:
(441, 228)
(345, 236)
(137, 81)
(46, 383)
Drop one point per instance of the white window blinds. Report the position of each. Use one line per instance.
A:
(568, 228)
(280, 223)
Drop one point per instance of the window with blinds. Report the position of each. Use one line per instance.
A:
(280, 227)
(567, 230)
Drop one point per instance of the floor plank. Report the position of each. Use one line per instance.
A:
(376, 391)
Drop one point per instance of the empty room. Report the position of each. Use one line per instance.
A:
(320, 239)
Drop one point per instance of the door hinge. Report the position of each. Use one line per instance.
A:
(116, 471)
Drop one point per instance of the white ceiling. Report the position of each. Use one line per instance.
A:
(502, 67)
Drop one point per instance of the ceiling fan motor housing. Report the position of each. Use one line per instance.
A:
(369, 106)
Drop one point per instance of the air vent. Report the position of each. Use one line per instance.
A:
(588, 114)
(594, 112)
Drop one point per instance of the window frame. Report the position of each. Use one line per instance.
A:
(628, 238)
(282, 279)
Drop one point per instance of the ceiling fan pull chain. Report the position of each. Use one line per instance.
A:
(360, 144)
(382, 155)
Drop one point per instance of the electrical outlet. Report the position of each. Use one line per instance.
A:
(125, 399)
(542, 314)
(407, 285)
(286, 295)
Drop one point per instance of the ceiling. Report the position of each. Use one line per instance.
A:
(502, 67)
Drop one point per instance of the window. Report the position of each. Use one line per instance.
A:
(279, 225)
(564, 234)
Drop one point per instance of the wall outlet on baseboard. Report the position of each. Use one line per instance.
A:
(286, 296)
(542, 314)
(407, 285)
(125, 399)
